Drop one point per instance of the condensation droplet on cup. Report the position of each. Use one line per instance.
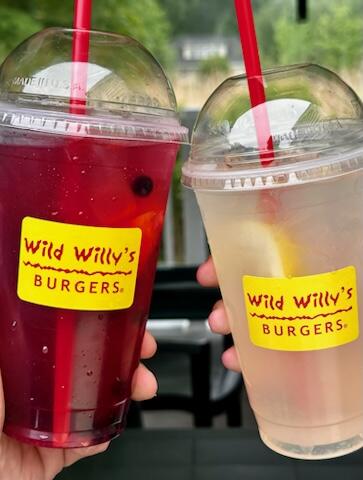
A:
(114, 198)
(91, 199)
(31, 399)
(43, 437)
(89, 373)
(83, 172)
(14, 324)
(45, 349)
(54, 214)
(80, 212)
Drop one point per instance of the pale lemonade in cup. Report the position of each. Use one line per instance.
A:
(287, 242)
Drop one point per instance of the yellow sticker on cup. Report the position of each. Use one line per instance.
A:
(78, 267)
(302, 313)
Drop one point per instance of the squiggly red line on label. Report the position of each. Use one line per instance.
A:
(81, 272)
(302, 317)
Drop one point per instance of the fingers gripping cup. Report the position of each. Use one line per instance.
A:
(286, 237)
(87, 161)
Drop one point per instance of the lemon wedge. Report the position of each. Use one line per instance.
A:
(267, 250)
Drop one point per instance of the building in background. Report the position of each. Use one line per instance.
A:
(217, 56)
(193, 50)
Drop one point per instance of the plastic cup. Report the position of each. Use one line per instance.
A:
(287, 240)
(82, 200)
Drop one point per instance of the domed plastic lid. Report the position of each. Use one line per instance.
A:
(315, 121)
(121, 91)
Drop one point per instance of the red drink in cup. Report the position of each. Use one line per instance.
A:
(82, 205)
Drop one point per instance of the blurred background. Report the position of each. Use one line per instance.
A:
(196, 39)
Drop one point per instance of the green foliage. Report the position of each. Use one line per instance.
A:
(333, 37)
(15, 26)
(144, 20)
(215, 65)
(266, 18)
(197, 16)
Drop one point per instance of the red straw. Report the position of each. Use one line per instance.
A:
(80, 53)
(65, 333)
(246, 26)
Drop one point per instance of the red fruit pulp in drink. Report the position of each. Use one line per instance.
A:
(81, 181)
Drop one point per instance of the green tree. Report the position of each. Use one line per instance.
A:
(333, 37)
(215, 65)
(197, 16)
(15, 26)
(144, 20)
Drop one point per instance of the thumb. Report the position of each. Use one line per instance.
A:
(206, 274)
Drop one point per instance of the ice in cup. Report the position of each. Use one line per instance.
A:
(286, 235)
(82, 200)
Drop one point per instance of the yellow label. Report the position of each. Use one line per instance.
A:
(78, 267)
(302, 313)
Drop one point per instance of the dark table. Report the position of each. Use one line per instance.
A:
(234, 454)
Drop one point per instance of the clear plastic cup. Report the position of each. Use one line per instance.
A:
(286, 235)
(83, 191)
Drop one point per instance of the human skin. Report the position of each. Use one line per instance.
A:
(218, 322)
(20, 461)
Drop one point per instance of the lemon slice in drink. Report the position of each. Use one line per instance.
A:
(267, 250)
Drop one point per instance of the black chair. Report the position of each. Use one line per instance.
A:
(190, 374)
